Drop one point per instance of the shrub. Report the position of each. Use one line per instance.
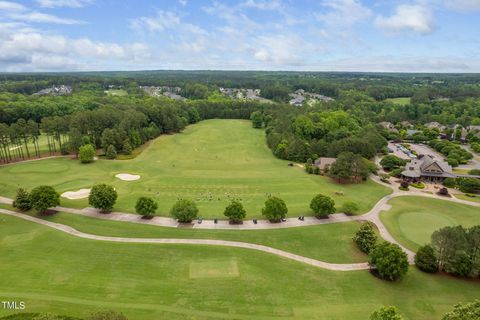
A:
(184, 210)
(466, 311)
(389, 260)
(450, 182)
(127, 147)
(365, 237)
(322, 205)
(146, 206)
(350, 207)
(390, 162)
(468, 185)
(474, 172)
(86, 153)
(396, 172)
(418, 185)
(111, 152)
(102, 197)
(275, 209)
(316, 170)
(44, 197)
(426, 260)
(235, 211)
(22, 200)
(386, 313)
(443, 192)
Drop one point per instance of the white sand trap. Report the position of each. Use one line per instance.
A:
(75, 195)
(127, 176)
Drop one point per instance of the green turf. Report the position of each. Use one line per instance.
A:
(475, 198)
(55, 272)
(412, 220)
(116, 92)
(399, 101)
(331, 242)
(210, 163)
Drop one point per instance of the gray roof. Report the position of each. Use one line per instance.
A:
(418, 167)
(322, 163)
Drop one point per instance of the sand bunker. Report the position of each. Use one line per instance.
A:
(127, 176)
(75, 195)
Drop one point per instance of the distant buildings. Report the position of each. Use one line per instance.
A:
(170, 92)
(240, 93)
(55, 91)
(388, 126)
(300, 96)
(435, 125)
(324, 163)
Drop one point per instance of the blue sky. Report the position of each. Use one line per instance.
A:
(314, 35)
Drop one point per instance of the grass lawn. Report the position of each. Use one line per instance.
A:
(462, 196)
(330, 242)
(59, 273)
(399, 101)
(116, 92)
(211, 163)
(461, 171)
(412, 220)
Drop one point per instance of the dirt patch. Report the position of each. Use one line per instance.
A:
(75, 195)
(127, 176)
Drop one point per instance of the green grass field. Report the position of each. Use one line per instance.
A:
(59, 273)
(412, 220)
(475, 198)
(211, 163)
(399, 101)
(116, 92)
(330, 242)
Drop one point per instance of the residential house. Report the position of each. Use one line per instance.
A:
(388, 125)
(324, 163)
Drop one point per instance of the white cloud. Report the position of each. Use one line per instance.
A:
(34, 51)
(38, 17)
(343, 13)
(183, 3)
(11, 6)
(263, 4)
(64, 3)
(279, 50)
(416, 18)
(161, 21)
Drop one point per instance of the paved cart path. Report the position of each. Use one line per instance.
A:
(373, 216)
(236, 244)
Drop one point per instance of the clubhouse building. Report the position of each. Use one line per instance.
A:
(428, 169)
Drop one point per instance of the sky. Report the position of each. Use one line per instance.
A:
(301, 35)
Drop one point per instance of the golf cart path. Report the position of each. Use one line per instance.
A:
(71, 231)
(373, 216)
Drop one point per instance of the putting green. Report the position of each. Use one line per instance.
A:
(58, 273)
(211, 162)
(412, 220)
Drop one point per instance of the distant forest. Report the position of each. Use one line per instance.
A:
(297, 133)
